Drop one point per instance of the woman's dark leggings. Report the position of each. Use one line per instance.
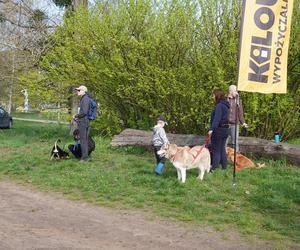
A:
(218, 143)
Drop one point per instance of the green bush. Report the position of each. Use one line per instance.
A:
(143, 58)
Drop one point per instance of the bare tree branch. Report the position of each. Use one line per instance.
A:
(24, 39)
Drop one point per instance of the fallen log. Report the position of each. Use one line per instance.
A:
(260, 147)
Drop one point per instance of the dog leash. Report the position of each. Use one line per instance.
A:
(207, 138)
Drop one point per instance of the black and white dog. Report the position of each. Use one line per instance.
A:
(57, 153)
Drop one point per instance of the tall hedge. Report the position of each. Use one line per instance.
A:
(143, 58)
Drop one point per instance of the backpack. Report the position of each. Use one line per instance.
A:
(92, 113)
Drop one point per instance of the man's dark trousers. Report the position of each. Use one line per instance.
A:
(83, 127)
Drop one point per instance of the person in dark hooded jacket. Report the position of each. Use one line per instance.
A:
(76, 147)
(219, 130)
(83, 122)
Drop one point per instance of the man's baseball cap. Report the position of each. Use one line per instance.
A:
(83, 88)
(161, 118)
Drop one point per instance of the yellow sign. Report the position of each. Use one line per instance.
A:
(264, 42)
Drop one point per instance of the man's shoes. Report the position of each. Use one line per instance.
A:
(84, 160)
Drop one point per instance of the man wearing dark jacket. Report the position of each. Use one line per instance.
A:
(83, 121)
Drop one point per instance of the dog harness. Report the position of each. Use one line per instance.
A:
(198, 152)
(172, 158)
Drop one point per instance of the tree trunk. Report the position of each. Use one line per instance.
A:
(247, 145)
(10, 92)
(73, 101)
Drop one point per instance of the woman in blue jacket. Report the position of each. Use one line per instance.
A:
(219, 130)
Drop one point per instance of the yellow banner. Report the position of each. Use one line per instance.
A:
(264, 42)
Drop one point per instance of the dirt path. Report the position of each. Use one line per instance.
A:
(34, 220)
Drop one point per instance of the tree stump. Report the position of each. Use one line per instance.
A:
(260, 147)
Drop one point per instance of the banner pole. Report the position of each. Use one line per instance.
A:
(237, 101)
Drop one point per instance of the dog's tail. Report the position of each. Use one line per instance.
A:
(55, 145)
(57, 141)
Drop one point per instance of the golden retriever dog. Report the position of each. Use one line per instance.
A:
(184, 158)
(241, 160)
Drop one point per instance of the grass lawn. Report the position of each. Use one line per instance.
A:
(265, 203)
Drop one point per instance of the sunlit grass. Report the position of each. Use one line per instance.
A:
(265, 202)
(55, 115)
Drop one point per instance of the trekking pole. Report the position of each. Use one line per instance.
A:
(235, 138)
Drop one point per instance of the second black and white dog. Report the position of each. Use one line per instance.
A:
(76, 147)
